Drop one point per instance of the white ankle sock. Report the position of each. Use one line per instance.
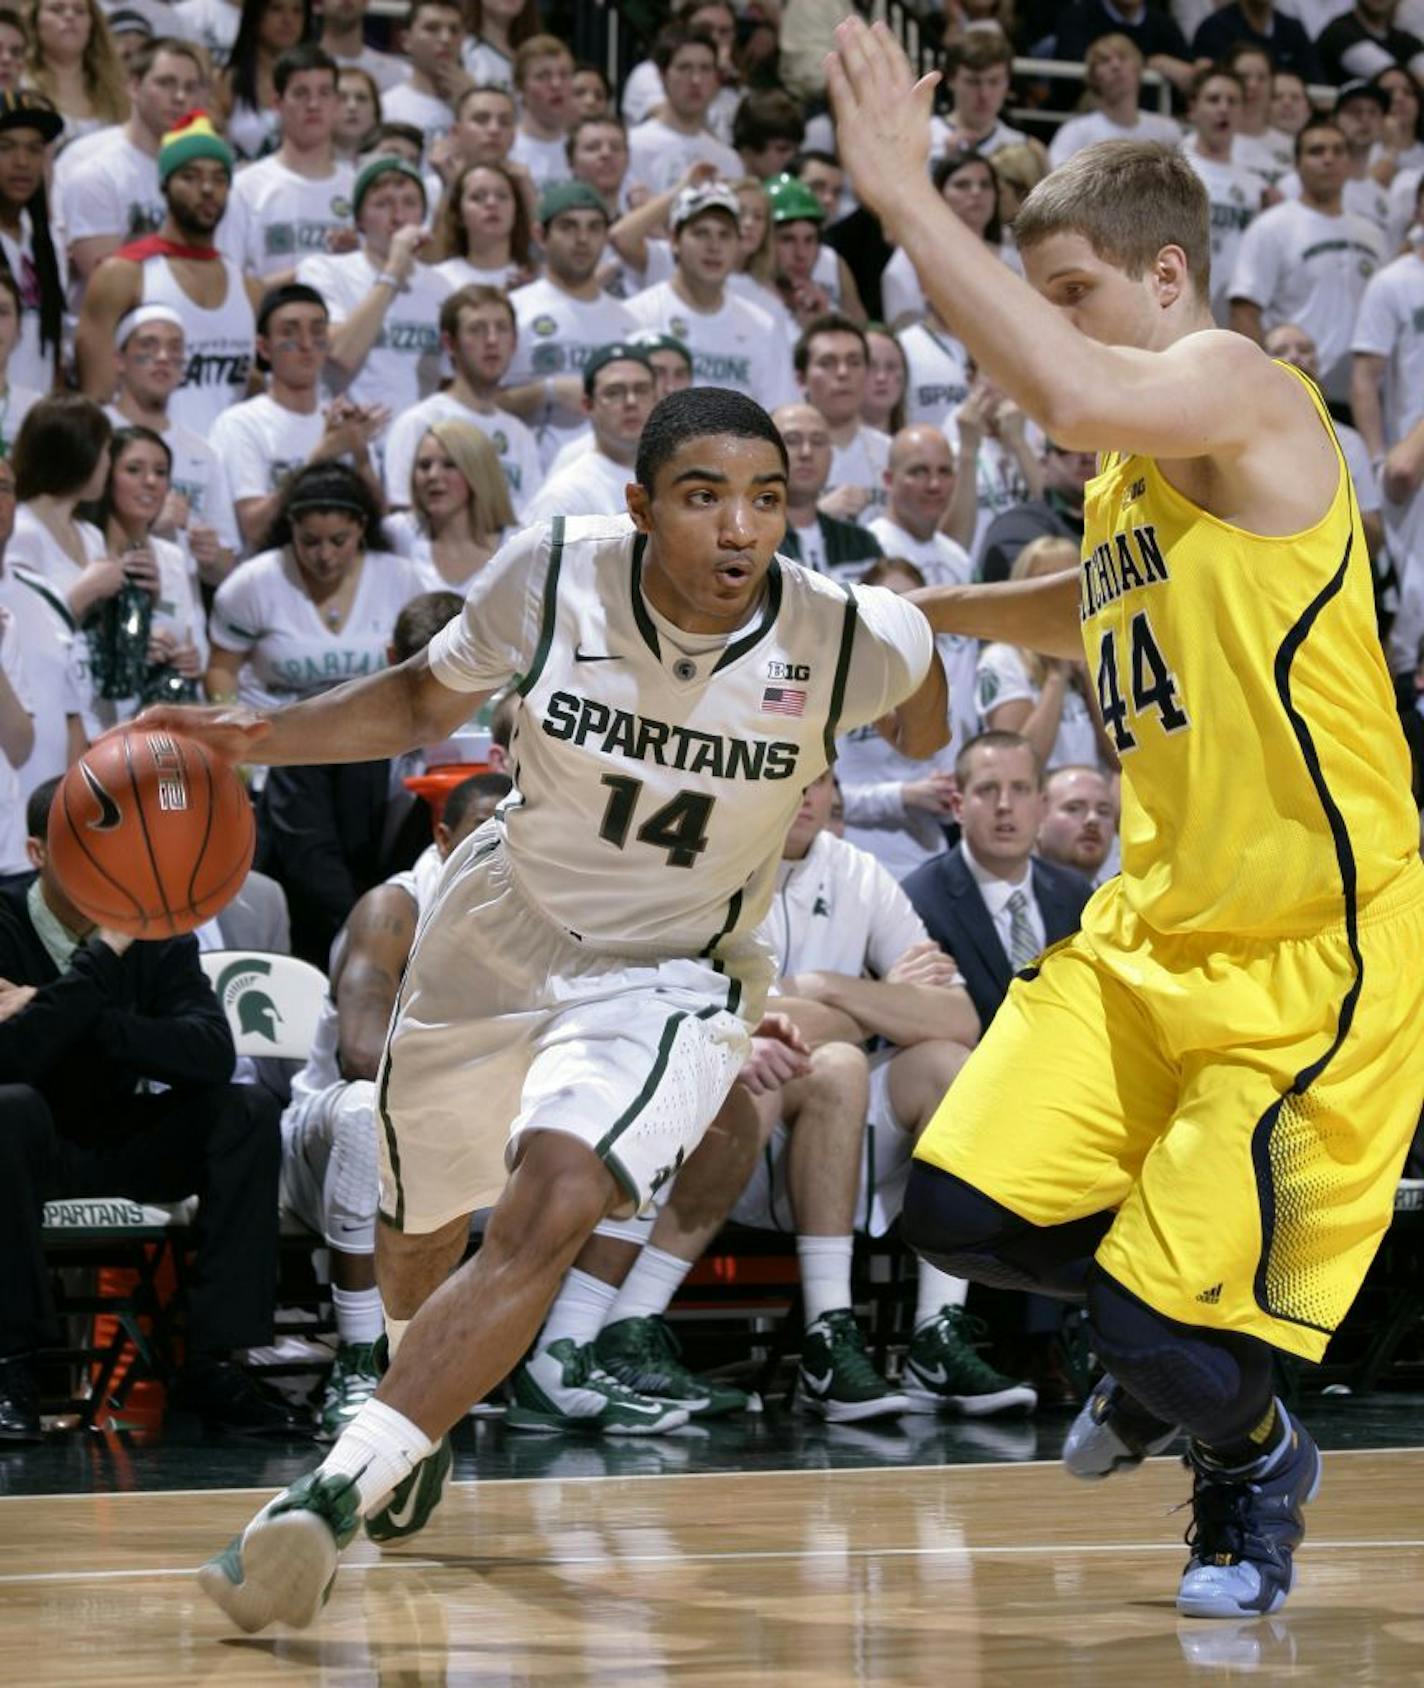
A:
(825, 1274)
(358, 1314)
(379, 1448)
(579, 1309)
(937, 1289)
(654, 1278)
(395, 1332)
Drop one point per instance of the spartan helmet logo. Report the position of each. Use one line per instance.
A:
(240, 986)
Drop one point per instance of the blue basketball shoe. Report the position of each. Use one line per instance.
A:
(1246, 1526)
(1113, 1433)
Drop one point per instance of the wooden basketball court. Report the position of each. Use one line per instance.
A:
(980, 1576)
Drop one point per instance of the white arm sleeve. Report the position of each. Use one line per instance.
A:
(496, 635)
(880, 804)
(889, 659)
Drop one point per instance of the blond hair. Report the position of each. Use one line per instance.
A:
(1128, 199)
(761, 264)
(478, 463)
(105, 80)
(1113, 42)
(1049, 554)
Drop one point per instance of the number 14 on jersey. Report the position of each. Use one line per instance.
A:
(1153, 685)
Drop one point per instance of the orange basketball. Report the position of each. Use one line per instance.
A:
(150, 833)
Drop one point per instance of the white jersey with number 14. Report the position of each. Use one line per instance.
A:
(655, 781)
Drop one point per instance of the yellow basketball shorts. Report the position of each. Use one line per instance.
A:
(1245, 1108)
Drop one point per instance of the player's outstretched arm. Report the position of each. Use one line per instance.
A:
(1041, 614)
(920, 725)
(1087, 396)
(381, 715)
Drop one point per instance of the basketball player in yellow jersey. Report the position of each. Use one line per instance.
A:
(1194, 1113)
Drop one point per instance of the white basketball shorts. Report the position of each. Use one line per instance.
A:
(506, 1024)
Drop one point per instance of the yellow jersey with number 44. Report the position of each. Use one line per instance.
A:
(1265, 775)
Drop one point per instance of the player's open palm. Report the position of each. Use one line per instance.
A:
(229, 730)
(882, 113)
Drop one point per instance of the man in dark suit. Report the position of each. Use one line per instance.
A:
(328, 833)
(90, 1022)
(995, 907)
(989, 901)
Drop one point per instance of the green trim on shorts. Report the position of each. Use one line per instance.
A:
(650, 1084)
(551, 603)
(396, 1220)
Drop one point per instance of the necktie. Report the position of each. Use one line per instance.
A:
(1023, 946)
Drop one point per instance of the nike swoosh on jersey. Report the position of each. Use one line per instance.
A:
(592, 656)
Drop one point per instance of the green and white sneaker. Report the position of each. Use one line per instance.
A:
(349, 1385)
(408, 1507)
(643, 1355)
(562, 1387)
(944, 1372)
(837, 1379)
(281, 1568)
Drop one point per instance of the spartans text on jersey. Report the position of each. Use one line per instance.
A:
(578, 719)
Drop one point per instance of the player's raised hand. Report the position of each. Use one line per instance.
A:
(882, 114)
(229, 730)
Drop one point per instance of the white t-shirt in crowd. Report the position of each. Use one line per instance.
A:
(1403, 196)
(592, 485)
(1000, 136)
(517, 449)
(404, 364)
(738, 345)
(1235, 196)
(1095, 126)
(460, 272)
(999, 483)
(16, 403)
(1390, 325)
(107, 186)
(31, 364)
(558, 334)
(546, 161)
(386, 70)
(56, 669)
(862, 462)
(486, 64)
(1004, 678)
(430, 114)
(260, 442)
(1270, 156)
(283, 217)
(262, 610)
(211, 23)
(938, 378)
(1299, 265)
(12, 799)
(659, 155)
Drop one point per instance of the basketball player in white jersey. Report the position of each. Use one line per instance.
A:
(581, 990)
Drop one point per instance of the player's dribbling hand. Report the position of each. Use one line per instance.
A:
(882, 114)
(229, 730)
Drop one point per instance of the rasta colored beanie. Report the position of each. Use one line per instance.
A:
(192, 137)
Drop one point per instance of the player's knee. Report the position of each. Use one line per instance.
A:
(562, 1191)
(1182, 1374)
(944, 1216)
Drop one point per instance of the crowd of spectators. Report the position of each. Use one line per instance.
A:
(302, 313)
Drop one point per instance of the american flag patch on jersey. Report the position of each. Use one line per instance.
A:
(783, 700)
